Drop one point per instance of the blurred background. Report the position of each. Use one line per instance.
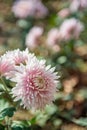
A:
(57, 31)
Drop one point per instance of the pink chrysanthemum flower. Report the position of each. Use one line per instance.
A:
(17, 56)
(64, 13)
(33, 37)
(5, 66)
(77, 5)
(36, 84)
(53, 37)
(14, 58)
(71, 28)
(25, 8)
(40, 10)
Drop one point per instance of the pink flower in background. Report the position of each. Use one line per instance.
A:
(74, 6)
(5, 66)
(83, 4)
(33, 37)
(78, 5)
(71, 28)
(25, 8)
(35, 84)
(40, 10)
(64, 13)
(53, 37)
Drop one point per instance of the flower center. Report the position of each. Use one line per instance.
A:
(39, 82)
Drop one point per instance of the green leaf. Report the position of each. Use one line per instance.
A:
(2, 127)
(8, 112)
(17, 128)
(20, 125)
(81, 121)
(33, 120)
(3, 102)
(1, 87)
(20, 128)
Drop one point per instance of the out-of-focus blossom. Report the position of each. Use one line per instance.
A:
(64, 13)
(53, 37)
(25, 8)
(22, 8)
(35, 84)
(33, 37)
(74, 6)
(78, 5)
(40, 10)
(71, 28)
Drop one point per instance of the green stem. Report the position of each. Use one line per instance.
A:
(8, 123)
(5, 86)
(7, 95)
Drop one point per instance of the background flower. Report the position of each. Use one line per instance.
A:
(64, 13)
(35, 8)
(71, 28)
(53, 37)
(33, 37)
(77, 5)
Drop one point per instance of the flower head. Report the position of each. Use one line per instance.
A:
(33, 37)
(77, 5)
(40, 10)
(11, 59)
(64, 13)
(5, 66)
(35, 84)
(71, 28)
(17, 56)
(53, 37)
(25, 8)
